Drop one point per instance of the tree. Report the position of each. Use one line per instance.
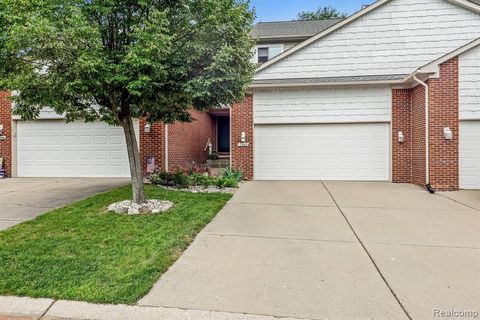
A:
(322, 13)
(114, 60)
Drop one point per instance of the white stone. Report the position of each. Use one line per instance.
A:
(131, 208)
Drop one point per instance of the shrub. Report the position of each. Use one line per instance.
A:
(201, 180)
(231, 173)
(226, 183)
(179, 179)
(176, 179)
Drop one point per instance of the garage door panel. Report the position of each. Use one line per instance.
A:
(322, 152)
(469, 154)
(53, 148)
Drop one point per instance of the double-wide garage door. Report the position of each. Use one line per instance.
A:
(53, 148)
(323, 152)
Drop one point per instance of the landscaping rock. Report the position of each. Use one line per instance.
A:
(131, 208)
(202, 189)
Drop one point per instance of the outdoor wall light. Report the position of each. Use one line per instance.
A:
(447, 133)
(148, 128)
(401, 137)
(243, 138)
(1, 129)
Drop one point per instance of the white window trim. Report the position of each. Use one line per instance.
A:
(269, 46)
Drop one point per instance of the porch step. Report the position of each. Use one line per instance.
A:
(224, 155)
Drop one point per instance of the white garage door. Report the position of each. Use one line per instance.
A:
(53, 148)
(322, 152)
(470, 154)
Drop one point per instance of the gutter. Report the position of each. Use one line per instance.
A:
(427, 132)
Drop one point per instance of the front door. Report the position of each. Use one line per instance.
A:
(223, 131)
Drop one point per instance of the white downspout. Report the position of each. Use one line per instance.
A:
(427, 134)
(166, 147)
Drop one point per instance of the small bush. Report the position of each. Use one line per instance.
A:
(231, 173)
(180, 179)
(201, 180)
(226, 182)
(176, 179)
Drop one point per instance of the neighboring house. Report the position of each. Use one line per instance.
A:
(49, 147)
(346, 101)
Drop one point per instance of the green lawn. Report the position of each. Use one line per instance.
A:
(82, 252)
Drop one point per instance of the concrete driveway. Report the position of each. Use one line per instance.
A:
(23, 199)
(333, 250)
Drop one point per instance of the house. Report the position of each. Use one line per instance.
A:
(370, 97)
(350, 102)
(49, 147)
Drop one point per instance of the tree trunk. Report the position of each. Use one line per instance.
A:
(134, 159)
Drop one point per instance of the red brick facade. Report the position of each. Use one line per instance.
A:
(408, 111)
(6, 121)
(444, 112)
(401, 122)
(187, 141)
(242, 121)
(418, 136)
(152, 144)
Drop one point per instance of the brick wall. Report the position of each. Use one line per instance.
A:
(242, 121)
(152, 144)
(401, 122)
(418, 136)
(444, 112)
(409, 116)
(187, 141)
(6, 121)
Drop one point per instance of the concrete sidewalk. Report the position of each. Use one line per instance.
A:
(14, 308)
(23, 199)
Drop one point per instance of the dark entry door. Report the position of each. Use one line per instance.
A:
(223, 127)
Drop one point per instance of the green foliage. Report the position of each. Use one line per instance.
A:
(323, 13)
(81, 252)
(231, 173)
(223, 182)
(175, 179)
(201, 180)
(179, 179)
(112, 60)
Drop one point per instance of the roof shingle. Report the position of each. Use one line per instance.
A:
(290, 29)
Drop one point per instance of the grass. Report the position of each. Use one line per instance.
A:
(81, 252)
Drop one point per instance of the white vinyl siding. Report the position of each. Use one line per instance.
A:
(53, 148)
(469, 85)
(469, 154)
(396, 38)
(323, 105)
(322, 152)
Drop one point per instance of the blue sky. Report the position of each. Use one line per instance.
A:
(275, 10)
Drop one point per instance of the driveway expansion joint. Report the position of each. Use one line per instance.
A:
(459, 202)
(421, 245)
(278, 238)
(282, 204)
(368, 254)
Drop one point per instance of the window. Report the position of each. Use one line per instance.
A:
(266, 53)
(262, 55)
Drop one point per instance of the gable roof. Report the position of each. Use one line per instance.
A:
(428, 70)
(291, 29)
(473, 5)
